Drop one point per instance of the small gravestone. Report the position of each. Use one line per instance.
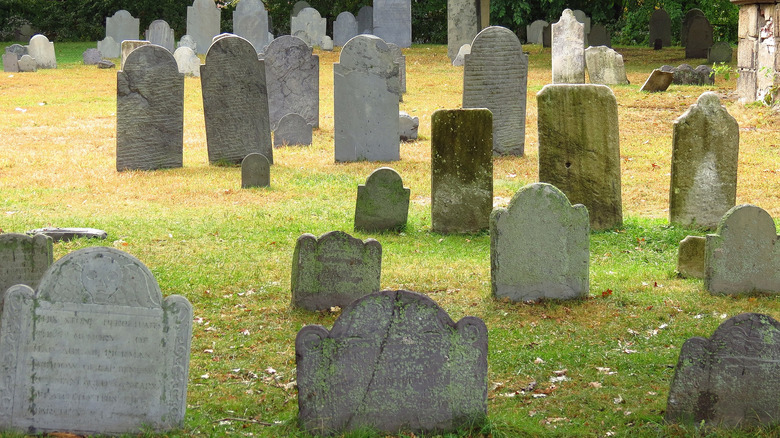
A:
(27, 64)
(684, 74)
(203, 21)
(398, 57)
(187, 61)
(23, 259)
(122, 26)
(250, 21)
(188, 41)
(255, 171)
(43, 51)
(298, 7)
(365, 18)
(293, 80)
(462, 24)
(699, 38)
(705, 151)
(235, 102)
(729, 380)
(605, 66)
(104, 64)
(408, 126)
(127, 48)
(344, 28)
(409, 367)
(568, 50)
(311, 23)
(95, 349)
(382, 203)
(539, 246)
(535, 32)
(91, 57)
(393, 21)
(461, 170)
(160, 33)
(68, 234)
(686, 24)
(292, 129)
(334, 270)
(599, 36)
(742, 256)
(460, 58)
(657, 81)
(109, 48)
(660, 28)
(10, 63)
(690, 257)
(17, 49)
(150, 111)
(579, 148)
(720, 52)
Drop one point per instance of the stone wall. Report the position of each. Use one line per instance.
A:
(758, 61)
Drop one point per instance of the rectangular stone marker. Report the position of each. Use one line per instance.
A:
(393, 21)
(568, 50)
(10, 63)
(94, 350)
(394, 361)
(382, 203)
(24, 259)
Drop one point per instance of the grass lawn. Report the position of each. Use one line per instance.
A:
(229, 250)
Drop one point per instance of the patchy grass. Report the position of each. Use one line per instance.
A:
(229, 250)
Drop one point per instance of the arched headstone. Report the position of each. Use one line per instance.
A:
(344, 28)
(293, 80)
(203, 23)
(122, 26)
(250, 21)
(160, 33)
(42, 51)
(382, 203)
(568, 50)
(660, 28)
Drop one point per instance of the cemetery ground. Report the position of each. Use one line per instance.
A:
(594, 367)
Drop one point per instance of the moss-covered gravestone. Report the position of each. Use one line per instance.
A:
(382, 203)
(24, 259)
(393, 361)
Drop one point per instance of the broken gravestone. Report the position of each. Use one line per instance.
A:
(605, 66)
(690, 257)
(657, 81)
(255, 171)
(382, 203)
(23, 259)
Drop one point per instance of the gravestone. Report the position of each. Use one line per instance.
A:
(95, 349)
(91, 57)
(235, 102)
(730, 379)
(690, 257)
(382, 203)
(699, 38)
(312, 24)
(292, 129)
(160, 33)
(462, 24)
(326, 43)
(398, 57)
(393, 21)
(535, 32)
(365, 19)
(59, 234)
(660, 28)
(122, 26)
(255, 171)
(495, 77)
(686, 24)
(408, 126)
(188, 41)
(658, 80)
(150, 111)
(539, 246)
(461, 170)
(599, 36)
(23, 259)
(293, 79)
(334, 270)
(344, 28)
(43, 51)
(27, 64)
(705, 150)
(743, 256)
(605, 66)
(17, 49)
(583, 18)
(366, 89)
(105, 64)
(568, 50)
(684, 74)
(298, 7)
(250, 21)
(409, 368)
(10, 63)
(203, 21)
(187, 61)
(460, 59)
(547, 37)
(109, 48)
(579, 149)
(720, 52)
(127, 48)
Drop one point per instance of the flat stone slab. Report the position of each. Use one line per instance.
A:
(657, 81)
(67, 234)
(23, 259)
(382, 203)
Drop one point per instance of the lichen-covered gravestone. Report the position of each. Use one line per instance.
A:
(203, 20)
(660, 28)
(43, 51)
(150, 111)
(250, 21)
(568, 50)
(690, 257)
(382, 203)
(235, 102)
(539, 246)
(495, 77)
(730, 379)
(705, 153)
(579, 148)
(462, 24)
(393, 21)
(720, 52)
(95, 349)
(344, 28)
(605, 66)
(24, 259)
(393, 361)
(255, 171)
(334, 270)
(293, 79)
(461, 170)
(311, 26)
(160, 33)
(743, 256)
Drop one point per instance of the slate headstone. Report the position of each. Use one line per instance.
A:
(255, 171)
(393, 21)
(365, 18)
(605, 66)
(203, 23)
(568, 50)
(382, 203)
(91, 57)
(660, 28)
(23, 259)
(344, 28)
(547, 36)
(109, 48)
(59, 234)
(462, 24)
(298, 7)
(599, 36)
(686, 24)
(122, 26)
(10, 63)
(720, 52)
(250, 21)
(17, 49)
(160, 33)
(400, 59)
(293, 80)
(460, 58)
(43, 51)
(188, 41)
(684, 74)
(535, 32)
(690, 257)
(27, 64)
(326, 43)
(312, 24)
(127, 48)
(583, 18)
(699, 38)
(187, 61)
(657, 81)
(408, 126)
(292, 129)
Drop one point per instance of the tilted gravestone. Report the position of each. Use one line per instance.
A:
(59, 234)
(292, 129)
(109, 48)
(365, 18)
(43, 51)
(160, 33)
(686, 24)
(462, 24)
(699, 38)
(579, 148)
(344, 28)
(743, 256)
(255, 171)
(293, 80)
(705, 152)
(203, 21)
(393, 21)
(605, 66)
(27, 64)
(382, 203)
(23, 259)
(250, 21)
(495, 77)
(311, 23)
(409, 367)
(127, 48)
(366, 87)
(91, 57)
(187, 61)
(720, 52)
(461, 170)
(660, 28)
(149, 111)
(539, 246)
(599, 36)
(729, 380)
(122, 26)
(568, 50)
(95, 349)
(690, 257)
(535, 32)
(10, 63)
(235, 102)
(658, 80)
(334, 270)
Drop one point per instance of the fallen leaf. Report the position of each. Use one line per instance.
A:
(594, 384)
(606, 293)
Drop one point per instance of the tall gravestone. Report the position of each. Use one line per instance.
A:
(462, 24)
(122, 26)
(539, 246)
(23, 259)
(583, 18)
(461, 170)
(203, 21)
(95, 349)
(605, 66)
(393, 21)
(686, 24)
(149, 111)
(660, 28)
(382, 203)
(366, 87)
(293, 79)
(235, 102)
(699, 37)
(579, 148)
(535, 32)
(344, 28)
(160, 33)
(310, 24)
(365, 18)
(250, 21)
(568, 50)
(495, 77)
(42, 50)
(409, 368)
(705, 150)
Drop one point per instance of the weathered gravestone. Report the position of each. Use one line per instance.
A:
(298, 7)
(23, 259)
(292, 129)
(94, 349)
(605, 66)
(27, 64)
(344, 28)
(293, 79)
(235, 102)
(255, 171)
(495, 77)
(366, 89)
(407, 126)
(17, 49)
(365, 18)
(60, 234)
(461, 170)
(720, 52)
(311, 23)
(658, 80)
(731, 379)
(460, 58)
(462, 24)
(539, 246)
(127, 48)
(382, 203)
(250, 21)
(400, 59)
(334, 270)
(690, 257)
(122, 26)
(583, 18)
(188, 41)
(579, 148)
(43, 51)
(743, 256)
(91, 57)
(535, 32)
(109, 48)
(393, 21)
(599, 36)
(660, 28)
(160, 33)
(568, 50)
(187, 61)
(547, 36)
(705, 151)
(203, 20)
(684, 74)
(686, 24)
(105, 64)
(10, 62)
(699, 37)
(150, 111)
(409, 368)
